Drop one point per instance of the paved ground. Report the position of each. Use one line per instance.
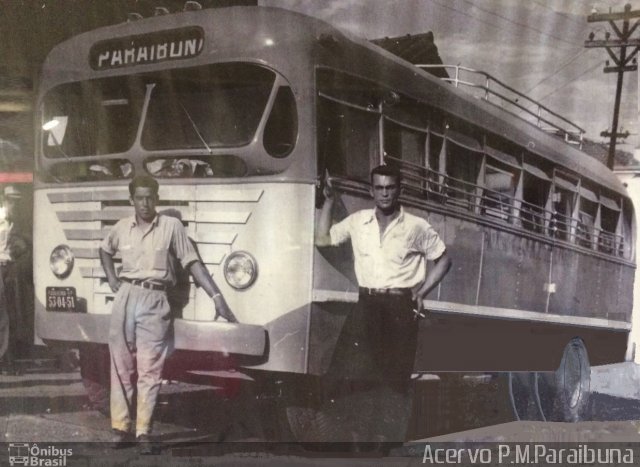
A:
(46, 405)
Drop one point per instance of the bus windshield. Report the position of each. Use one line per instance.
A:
(196, 108)
(215, 106)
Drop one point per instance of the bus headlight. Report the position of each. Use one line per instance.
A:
(61, 261)
(240, 270)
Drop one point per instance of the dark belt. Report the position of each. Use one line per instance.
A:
(144, 284)
(398, 291)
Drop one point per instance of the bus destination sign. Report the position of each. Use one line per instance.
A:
(174, 44)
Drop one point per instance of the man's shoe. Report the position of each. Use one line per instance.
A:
(121, 439)
(146, 446)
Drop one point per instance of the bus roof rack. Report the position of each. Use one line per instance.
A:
(486, 87)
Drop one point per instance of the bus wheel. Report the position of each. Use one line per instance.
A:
(573, 384)
(95, 373)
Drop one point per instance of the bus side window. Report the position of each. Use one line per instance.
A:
(499, 189)
(564, 199)
(435, 154)
(463, 161)
(587, 218)
(535, 193)
(408, 145)
(608, 238)
(347, 124)
(347, 140)
(626, 228)
(281, 129)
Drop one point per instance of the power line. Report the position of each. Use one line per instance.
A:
(571, 81)
(449, 7)
(569, 17)
(524, 25)
(562, 67)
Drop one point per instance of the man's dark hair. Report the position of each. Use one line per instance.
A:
(389, 171)
(143, 181)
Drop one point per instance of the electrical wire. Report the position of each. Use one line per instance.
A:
(562, 67)
(569, 17)
(449, 7)
(572, 80)
(519, 24)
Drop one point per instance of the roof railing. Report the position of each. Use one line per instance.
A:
(493, 87)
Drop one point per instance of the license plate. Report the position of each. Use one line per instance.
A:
(61, 299)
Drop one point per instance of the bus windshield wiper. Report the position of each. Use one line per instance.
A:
(195, 128)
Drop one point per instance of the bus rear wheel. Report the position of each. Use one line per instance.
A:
(563, 395)
(566, 394)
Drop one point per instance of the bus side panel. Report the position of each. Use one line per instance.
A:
(565, 277)
(624, 299)
(499, 263)
(588, 302)
(532, 274)
(455, 342)
(464, 245)
(608, 291)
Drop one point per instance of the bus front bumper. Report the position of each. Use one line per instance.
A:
(204, 336)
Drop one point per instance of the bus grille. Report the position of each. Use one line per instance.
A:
(213, 219)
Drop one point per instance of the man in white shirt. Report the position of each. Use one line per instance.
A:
(391, 249)
(150, 245)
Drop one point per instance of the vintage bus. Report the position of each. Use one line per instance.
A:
(239, 112)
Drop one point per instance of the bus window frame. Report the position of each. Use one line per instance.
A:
(469, 199)
(542, 211)
(339, 99)
(428, 177)
(563, 184)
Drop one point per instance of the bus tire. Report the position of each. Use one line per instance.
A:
(573, 383)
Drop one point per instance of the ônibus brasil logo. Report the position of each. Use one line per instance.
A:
(30, 454)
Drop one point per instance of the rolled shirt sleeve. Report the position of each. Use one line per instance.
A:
(110, 242)
(341, 232)
(432, 246)
(182, 246)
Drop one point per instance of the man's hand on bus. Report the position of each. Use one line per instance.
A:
(327, 189)
(222, 309)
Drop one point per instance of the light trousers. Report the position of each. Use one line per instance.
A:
(139, 338)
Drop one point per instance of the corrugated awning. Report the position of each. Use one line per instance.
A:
(609, 203)
(463, 140)
(502, 156)
(536, 172)
(588, 194)
(566, 184)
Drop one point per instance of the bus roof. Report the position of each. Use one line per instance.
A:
(351, 53)
(480, 113)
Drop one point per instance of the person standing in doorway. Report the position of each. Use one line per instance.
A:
(150, 244)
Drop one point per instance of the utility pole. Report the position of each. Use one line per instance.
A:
(622, 61)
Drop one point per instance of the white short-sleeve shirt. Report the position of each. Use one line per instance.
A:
(398, 258)
(150, 254)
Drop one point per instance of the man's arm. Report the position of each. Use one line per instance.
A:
(204, 280)
(322, 235)
(433, 278)
(109, 269)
